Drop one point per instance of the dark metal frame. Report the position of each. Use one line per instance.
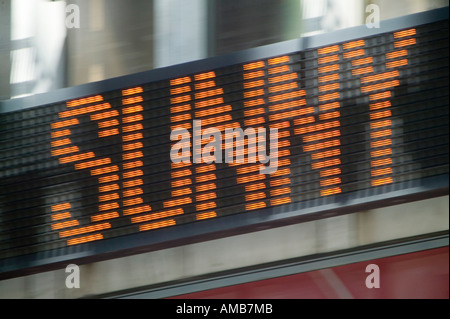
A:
(227, 225)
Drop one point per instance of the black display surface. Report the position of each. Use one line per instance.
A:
(362, 120)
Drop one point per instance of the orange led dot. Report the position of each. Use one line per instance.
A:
(104, 115)
(137, 210)
(290, 104)
(132, 91)
(396, 64)
(181, 192)
(278, 60)
(179, 90)
(83, 230)
(132, 192)
(180, 99)
(279, 69)
(129, 156)
(85, 239)
(280, 201)
(254, 93)
(381, 143)
(360, 71)
(330, 181)
(108, 206)
(255, 206)
(108, 123)
(327, 163)
(379, 105)
(132, 146)
(352, 54)
(249, 179)
(209, 102)
(281, 172)
(131, 174)
(108, 188)
(88, 100)
(381, 171)
(327, 59)
(105, 216)
(66, 150)
(205, 187)
(353, 44)
(331, 191)
(206, 196)
(378, 77)
(254, 187)
(178, 202)
(204, 85)
(396, 54)
(254, 65)
(84, 110)
(328, 78)
(133, 201)
(329, 87)
(179, 81)
(381, 162)
(205, 215)
(179, 108)
(249, 85)
(382, 181)
(250, 197)
(379, 124)
(316, 127)
(362, 61)
(383, 152)
(330, 172)
(60, 133)
(318, 146)
(132, 137)
(61, 216)
(330, 96)
(105, 198)
(181, 182)
(302, 121)
(161, 224)
(329, 68)
(204, 76)
(59, 207)
(379, 96)
(379, 115)
(330, 49)
(380, 86)
(163, 214)
(107, 179)
(64, 123)
(104, 170)
(282, 87)
(405, 33)
(329, 153)
(62, 142)
(132, 109)
(404, 43)
(205, 206)
(280, 191)
(254, 74)
(93, 163)
(282, 78)
(132, 100)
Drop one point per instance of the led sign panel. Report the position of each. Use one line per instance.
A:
(357, 121)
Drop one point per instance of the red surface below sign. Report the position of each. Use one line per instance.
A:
(418, 275)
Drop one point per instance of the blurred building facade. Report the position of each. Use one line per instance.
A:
(116, 38)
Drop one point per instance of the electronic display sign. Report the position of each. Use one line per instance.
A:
(141, 160)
